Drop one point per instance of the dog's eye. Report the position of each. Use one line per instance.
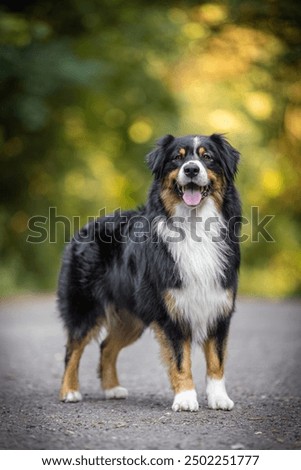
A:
(207, 157)
(181, 153)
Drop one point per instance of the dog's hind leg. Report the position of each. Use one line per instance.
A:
(70, 385)
(124, 329)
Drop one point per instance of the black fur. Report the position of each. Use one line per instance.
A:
(118, 259)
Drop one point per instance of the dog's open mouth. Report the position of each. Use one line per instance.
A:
(192, 194)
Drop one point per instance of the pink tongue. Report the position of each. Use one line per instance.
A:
(192, 198)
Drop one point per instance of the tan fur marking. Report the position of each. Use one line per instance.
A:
(180, 379)
(75, 350)
(218, 185)
(173, 311)
(228, 309)
(201, 151)
(231, 299)
(182, 152)
(107, 368)
(168, 195)
(215, 369)
(170, 303)
(124, 329)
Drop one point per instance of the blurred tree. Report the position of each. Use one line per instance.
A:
(76, 94)
(86, 87)
(241, 76)
(275, 269)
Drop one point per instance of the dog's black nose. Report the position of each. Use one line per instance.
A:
(191, 170)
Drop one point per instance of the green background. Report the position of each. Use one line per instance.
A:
(87, 86)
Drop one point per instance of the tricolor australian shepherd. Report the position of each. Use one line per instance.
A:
(172, 265)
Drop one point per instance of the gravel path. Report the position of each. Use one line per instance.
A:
(263, 376)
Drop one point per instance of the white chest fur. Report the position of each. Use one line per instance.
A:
(201, 256)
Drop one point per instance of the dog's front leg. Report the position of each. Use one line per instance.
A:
(175, 353)
(215, 351)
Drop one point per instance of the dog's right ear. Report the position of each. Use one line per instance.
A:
(155, 159)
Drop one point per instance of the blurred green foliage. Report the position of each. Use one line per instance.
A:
(88, 85)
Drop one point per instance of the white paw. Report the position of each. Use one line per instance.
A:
(217, 395)
(72, 397)
(116, 392)
(185, 401)
(220, 402)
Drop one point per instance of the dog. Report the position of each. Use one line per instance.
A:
(171, 265)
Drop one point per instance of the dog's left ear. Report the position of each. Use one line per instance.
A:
(155, 159)
(230, 156)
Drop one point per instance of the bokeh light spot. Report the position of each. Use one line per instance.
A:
(293, 121)
(18, 222)
(259, 104)
(223, 120)
(272, 182)
(213, 14)
(140, 131)
(194, 30)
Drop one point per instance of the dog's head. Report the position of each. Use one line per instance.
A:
(193, 168)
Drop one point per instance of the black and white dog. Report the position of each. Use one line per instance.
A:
(171, 265)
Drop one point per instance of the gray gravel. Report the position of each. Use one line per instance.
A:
(263, 376)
